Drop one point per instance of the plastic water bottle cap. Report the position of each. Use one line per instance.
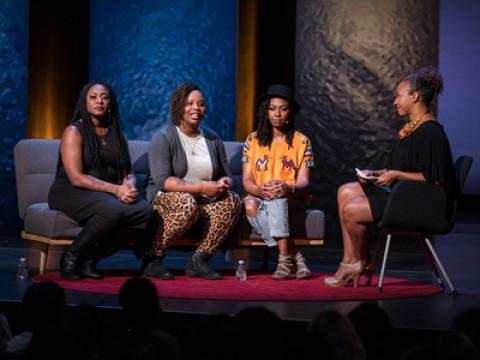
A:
(241, 262)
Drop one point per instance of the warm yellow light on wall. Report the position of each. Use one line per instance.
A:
(49, 106)
(247, 29)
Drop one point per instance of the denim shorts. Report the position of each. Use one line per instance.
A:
(272, 220)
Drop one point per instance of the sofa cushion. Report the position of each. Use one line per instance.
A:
(35, 174)
(41, 220)
(314, 224)
(310, 225)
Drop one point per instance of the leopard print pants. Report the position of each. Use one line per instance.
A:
(181, 210)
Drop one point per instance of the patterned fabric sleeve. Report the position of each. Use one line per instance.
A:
(247, 149)
(308, 155)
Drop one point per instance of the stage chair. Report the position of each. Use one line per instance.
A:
(421, 208)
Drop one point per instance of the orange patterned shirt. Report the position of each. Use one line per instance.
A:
(278, 161)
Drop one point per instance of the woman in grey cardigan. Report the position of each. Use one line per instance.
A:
(190, 182)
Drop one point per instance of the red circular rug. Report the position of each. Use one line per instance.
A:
(258, 287)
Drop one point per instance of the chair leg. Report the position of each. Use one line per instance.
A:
(384, 263)
(440, 266)
(375, 257)
(43, 258)
(432, 261)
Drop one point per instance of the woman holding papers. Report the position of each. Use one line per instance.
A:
(421, 153)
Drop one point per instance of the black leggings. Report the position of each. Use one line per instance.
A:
(103, 217)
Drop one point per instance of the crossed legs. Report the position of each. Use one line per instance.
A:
(355, 215)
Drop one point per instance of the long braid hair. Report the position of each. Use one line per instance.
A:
(264, 128)
(124, 166)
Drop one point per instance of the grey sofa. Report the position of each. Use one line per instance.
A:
(35, 167)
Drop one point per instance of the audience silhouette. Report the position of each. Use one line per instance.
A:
(49, 330)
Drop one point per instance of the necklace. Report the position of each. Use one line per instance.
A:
(189, 143)
(102, 137)
(411, 126)
(102, 140)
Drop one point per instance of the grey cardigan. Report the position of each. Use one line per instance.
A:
(167, 158)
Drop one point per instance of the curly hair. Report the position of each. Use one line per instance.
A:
(179, 100)
(428, 82)
(264, 128)
(124, 166)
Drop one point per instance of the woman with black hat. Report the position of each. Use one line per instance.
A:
(276, 169)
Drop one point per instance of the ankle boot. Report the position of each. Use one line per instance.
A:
(89, 270)
(284, 268)
(303, 272)
(197, 266)
(71, 262)
(152, 267)
(70, 266)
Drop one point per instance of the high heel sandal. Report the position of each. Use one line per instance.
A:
(345, 274)
(284, 268)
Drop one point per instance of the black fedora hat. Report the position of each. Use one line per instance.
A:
(280, 91)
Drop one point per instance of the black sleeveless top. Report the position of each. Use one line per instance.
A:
(109, 152)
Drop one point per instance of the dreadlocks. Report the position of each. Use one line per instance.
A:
(91, 141)
(264, 128)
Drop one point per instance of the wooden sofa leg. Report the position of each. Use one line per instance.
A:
(265, 259)
(43, 258)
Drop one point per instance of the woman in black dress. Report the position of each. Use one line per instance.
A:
(94, 184)
(422, 153)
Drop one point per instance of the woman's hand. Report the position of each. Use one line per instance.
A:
(125, 192)
(387, 178)
(213, 188)
(226, 182)
(131, 181)
(274, 189)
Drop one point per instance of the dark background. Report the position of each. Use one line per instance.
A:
(343, 58)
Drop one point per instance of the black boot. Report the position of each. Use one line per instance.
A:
(152, 267)
(197, 266)
(70, 266)
(89, 270)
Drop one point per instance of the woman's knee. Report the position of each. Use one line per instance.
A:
(251, 206)
(146, 211)
(177, 203)
(347, 191)
(355, 210)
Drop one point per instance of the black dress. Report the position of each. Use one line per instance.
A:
(103, 217)
(426, 150)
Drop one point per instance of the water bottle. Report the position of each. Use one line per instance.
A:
(22, 271)
(241, 271)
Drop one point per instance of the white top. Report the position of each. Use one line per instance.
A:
(199, 164)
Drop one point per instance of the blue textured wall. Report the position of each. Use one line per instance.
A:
(146, 48)
(460, 66)
(13, 102)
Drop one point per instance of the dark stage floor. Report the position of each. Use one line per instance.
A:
(428, 313)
